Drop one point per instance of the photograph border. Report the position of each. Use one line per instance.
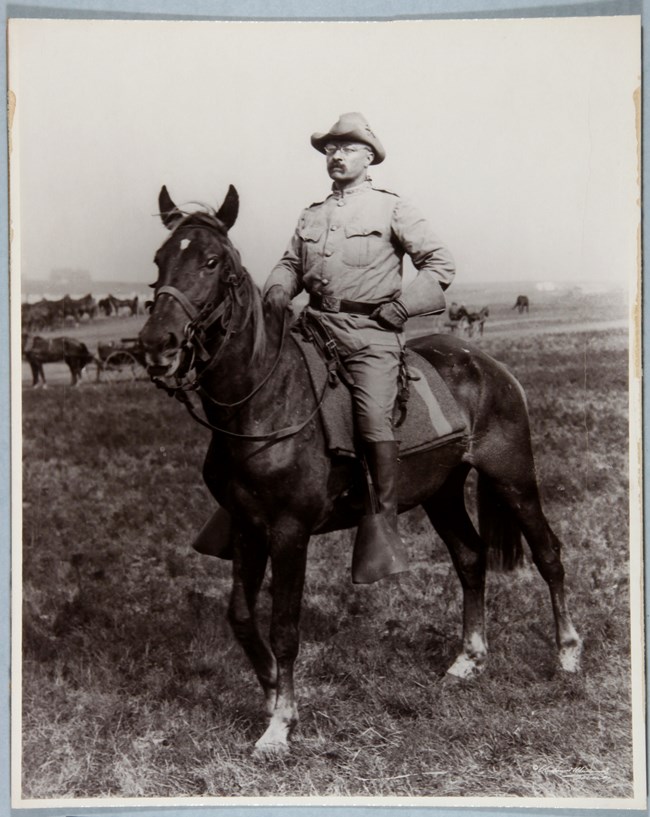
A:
(308, 10)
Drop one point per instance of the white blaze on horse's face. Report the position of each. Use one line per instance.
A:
(185, 243)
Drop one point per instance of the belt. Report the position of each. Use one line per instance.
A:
(327, 303)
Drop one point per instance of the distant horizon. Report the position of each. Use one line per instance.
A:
(31, 286)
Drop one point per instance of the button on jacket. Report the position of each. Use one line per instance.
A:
(351, 246)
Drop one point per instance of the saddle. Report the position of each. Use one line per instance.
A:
(427, 414)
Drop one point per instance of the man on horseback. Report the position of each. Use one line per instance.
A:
(347, 252)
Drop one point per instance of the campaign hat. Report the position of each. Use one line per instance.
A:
(351, 127)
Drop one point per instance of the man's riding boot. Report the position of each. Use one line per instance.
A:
(378, 550)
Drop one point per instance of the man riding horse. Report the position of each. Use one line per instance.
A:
(347, 252)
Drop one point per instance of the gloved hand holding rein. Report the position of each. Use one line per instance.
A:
(277, 298)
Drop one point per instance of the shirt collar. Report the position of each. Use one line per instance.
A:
(352, 191)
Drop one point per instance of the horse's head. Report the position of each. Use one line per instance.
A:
(199, 281)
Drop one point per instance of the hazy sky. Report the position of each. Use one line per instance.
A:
(517, 138)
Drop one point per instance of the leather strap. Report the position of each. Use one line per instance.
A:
(326, 303)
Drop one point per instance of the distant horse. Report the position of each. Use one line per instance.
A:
(268, 465)
(521, 304)
(46, 314)
(83, 306)
(476, 321)
(37, 351)
(37, 317)
(457, 314)
(104, 305)
(130, 304)
(464, 322)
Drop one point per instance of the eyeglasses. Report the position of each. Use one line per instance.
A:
(346, 150)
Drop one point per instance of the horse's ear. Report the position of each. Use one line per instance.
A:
(169, 212)
(229, 209)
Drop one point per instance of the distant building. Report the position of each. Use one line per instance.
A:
(71, 278)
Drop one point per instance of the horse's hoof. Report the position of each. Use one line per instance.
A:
(271, 750)
(466, 667)
(570, 658)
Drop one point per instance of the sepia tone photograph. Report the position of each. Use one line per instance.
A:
(326, 361)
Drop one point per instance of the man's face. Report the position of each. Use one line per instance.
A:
(347, 161)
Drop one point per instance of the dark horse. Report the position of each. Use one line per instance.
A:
(37, 351)
(267, 462)
(522, 304)
(131, 304)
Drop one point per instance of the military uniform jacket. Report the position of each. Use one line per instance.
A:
(351, 246)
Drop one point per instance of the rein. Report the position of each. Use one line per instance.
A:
(277, 434)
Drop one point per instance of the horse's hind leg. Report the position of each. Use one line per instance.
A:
(449, 517)
(521, 495)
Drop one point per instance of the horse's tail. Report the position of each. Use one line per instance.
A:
(498, 528)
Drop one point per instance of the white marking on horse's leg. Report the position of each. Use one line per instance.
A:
(471, 661)
(570, 651)
(271, 697)
(570, 658)
(275, 740)
(567, 639)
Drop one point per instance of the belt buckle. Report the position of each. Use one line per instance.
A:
(330, 304)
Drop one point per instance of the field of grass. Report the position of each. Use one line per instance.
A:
(134, 687)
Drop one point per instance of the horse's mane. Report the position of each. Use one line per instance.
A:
(251, 298)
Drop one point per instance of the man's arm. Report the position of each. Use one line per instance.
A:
(433, 262)
(286, 276)
(431, 258)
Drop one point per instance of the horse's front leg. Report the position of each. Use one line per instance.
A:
(288, 542)
(250, 555)
(35, 373)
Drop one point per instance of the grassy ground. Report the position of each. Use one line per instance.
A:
(133, 685)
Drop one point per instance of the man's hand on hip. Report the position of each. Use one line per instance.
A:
(391, 315)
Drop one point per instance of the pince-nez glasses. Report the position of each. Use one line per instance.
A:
(346, 150)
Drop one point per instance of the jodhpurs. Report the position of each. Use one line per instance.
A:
(375, 371)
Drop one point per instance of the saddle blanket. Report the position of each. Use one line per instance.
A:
(432, 415)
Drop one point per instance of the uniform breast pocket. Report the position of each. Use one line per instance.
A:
(311, 235)
(362, 244)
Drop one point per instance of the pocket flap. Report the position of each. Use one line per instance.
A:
(359, 228)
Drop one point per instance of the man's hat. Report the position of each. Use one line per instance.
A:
(352, 127)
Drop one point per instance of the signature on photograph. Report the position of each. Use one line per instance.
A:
(578, 772)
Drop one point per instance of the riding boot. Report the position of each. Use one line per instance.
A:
(378, 549)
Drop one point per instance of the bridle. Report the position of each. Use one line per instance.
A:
(201, 321)
(204, 318)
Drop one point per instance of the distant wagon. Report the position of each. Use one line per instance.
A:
(120, 361)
